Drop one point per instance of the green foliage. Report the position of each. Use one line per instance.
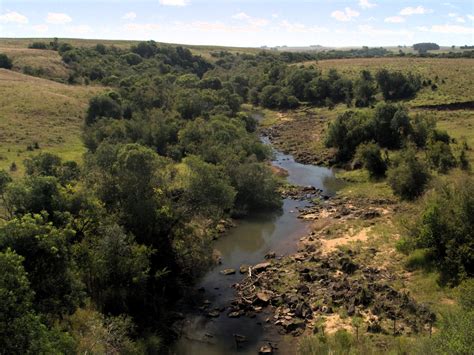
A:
(425, 47)
(396, 85)
(103, 106)
(365, 90)
(371, 158)
(440, 157)
(408, 175)
(445, 229)
(5, 61)
(47, 260)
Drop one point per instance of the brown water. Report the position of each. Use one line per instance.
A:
(248, 243)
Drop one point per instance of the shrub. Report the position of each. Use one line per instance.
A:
(371, 158)
(5, 61)
(408, 176)
(103, 106)
(440, 157)
(446, 229)
(396, 85)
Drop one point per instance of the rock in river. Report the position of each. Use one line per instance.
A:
(261, 267)
(228, 272)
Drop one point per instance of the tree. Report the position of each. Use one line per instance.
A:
(369, 155)
(408, 175)
(103, 106)
(425, 47)
(5, 61)
(47, 260)
(396, 85)
(364, 90)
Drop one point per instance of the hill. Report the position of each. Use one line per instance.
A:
(36, 110)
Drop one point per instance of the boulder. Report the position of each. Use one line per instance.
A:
(228, 272)
(263, 298)
(266, 349)
(261, 267)
(244, 269)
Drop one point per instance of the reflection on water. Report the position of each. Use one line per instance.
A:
(247, 244)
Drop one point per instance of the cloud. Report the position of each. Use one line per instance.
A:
(57, 18)
(366, 4)
(129, 16)
(241, 16)
(301, 28)
(394, 19)
(345, 15)
(79, 29)
(419, 10)
(40, 28)
(174, 2)
(254, 21)
(470, 17)
(13, 17)
(371, 31)
(460, 19)
(447, 29)
(142, 27)
(452, 14)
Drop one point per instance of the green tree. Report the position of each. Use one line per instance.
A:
(408, 175)
(5, 61)
(47, 261)
(371, 158)
(101, 106)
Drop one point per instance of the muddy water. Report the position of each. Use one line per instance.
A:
(247, 244)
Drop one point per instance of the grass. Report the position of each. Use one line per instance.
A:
(203, 50)
(40, 111)
(46, 63)
(454, 77)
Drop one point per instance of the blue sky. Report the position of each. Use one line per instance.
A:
(245, 22)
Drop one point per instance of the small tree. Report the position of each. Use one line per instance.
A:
(5, 61)
(408, 176)
(369, 155)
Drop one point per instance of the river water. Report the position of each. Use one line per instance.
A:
(248, 243)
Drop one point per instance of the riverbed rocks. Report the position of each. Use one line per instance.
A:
(325, 285)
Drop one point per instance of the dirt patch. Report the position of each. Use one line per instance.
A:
(329, 245)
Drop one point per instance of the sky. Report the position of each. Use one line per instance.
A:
(245, 23)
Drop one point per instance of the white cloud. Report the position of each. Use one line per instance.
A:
(79, 29)
(253, 21)
(452, 14)
(419, 10)
(275, 15)
(366, 4)
(241, 16)
(394, 19)
(345, 15)
(174, 2)
(301, 28)
(142, 27)
(40, 28)
(447, 29)
(129, 16)
(470, 17)
(13, 17)
(57, 18)
(371, 31)
(460, 19)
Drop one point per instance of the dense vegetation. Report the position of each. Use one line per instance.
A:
(98, 252)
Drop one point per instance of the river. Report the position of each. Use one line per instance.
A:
(248, 243)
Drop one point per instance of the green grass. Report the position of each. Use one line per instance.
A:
(40, 111)
(454, 77)
(360, 185)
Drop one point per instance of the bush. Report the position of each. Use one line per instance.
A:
(396, 85)
(446, 229)
(371, 158)
(440, 157)
(408, 176)
(5, 61)
(103, 106)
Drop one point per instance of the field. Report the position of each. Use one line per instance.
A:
(41, 111)
(454, 78)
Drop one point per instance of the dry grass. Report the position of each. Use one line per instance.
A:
(49, 62)
(42, 111)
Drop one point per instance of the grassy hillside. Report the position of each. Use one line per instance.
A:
(8, 44)
(453, 77)
(40, 111)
